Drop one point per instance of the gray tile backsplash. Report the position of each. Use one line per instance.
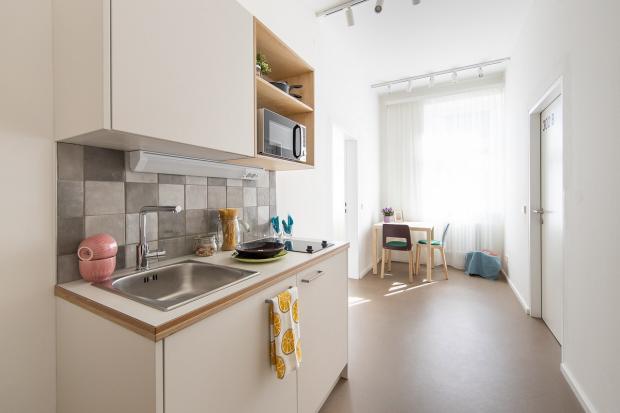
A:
(98, 193)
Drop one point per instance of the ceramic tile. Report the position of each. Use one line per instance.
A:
(212, 220)
(263, 180)
(272, 196)
(196, 222)
(233, 182)
(216, 181)
(70, 234)
(171, 224)
(109, 224)
(103, 164)
(195, 196)
(247, 183)
(67, 269)
(171, 195)
(234, 197)
(249, 197)
(70, 162)
(175, 247)
(70, 199)
(196, 180)
(172, 179)
(272, 179)
(104, 198)
(262, 196)
(139, 195)
(216, 197)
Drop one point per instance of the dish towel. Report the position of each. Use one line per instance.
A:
(284, 331)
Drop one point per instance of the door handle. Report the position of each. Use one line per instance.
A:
(540, 211)
(308, 280)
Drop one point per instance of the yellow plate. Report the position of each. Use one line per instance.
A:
(281, 254)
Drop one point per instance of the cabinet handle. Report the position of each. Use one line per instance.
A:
(310, 279)
(269, 301)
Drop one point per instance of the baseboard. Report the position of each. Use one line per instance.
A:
(585, 402)
(366, 271)
(516, 292)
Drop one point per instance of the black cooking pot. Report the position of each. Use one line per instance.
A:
(285, 87)
(264, 248)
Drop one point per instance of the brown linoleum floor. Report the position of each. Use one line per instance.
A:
(462, 345)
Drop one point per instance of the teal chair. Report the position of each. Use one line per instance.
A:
(435, 245)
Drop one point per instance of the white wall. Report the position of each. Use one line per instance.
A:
(27, 217)
(343, 98)
(576, 40)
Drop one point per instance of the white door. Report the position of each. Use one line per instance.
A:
(552, 221)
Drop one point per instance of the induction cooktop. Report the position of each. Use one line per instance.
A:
(310, 247)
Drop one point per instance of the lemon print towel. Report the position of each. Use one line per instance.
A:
(284, 328)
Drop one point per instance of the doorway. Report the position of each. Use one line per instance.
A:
(547, 210)
(345, 195)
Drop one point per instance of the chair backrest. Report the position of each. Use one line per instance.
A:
(397, 231)
(443, 236)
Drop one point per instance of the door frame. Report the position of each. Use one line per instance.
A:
(535, 236)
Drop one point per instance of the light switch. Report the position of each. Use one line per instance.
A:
(524, 209)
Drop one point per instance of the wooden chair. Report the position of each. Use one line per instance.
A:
(435, 245)
(401, 232)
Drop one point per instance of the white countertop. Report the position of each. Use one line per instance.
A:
(156, 318)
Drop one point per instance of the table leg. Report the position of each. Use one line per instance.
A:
(429, 258)
(374, 250)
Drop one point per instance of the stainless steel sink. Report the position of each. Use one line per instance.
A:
(173, 285)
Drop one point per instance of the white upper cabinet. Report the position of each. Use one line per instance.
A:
(185, 71)
(160, 75)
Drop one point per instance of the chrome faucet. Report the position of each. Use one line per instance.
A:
(142, 249)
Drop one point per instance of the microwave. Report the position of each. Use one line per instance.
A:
(281, 137)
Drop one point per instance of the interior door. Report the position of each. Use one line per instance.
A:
(552, 216)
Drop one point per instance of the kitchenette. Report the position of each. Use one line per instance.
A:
(180, 285)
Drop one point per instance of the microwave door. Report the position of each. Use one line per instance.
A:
(279, 139)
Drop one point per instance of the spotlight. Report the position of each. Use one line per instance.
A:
(416, 2)
(454, 77)
(480, 72)
(379, 6)
(431, 81)
(350, 20)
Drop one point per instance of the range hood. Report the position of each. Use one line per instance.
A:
(143, 161)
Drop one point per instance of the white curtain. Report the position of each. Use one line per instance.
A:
(442, 162)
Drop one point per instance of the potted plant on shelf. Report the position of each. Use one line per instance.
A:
(262, 66)
(388, 214)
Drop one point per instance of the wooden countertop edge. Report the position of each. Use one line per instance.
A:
(157, 333)
(122, 319)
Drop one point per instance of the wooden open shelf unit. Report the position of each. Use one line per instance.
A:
(286, 66)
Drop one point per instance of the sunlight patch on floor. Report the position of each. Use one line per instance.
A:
(357, 301)
(409, 289)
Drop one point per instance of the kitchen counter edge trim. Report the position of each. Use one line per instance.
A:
(157, 333)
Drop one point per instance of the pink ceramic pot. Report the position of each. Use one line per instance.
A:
(97, 270)
(97, 247)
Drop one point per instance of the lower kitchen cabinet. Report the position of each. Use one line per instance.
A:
(323, 301)
(221, 364)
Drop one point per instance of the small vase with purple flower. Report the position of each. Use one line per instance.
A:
(388, 214)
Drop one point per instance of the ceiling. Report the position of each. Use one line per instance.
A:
(406, 40)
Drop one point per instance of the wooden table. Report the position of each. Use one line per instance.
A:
(425, 227)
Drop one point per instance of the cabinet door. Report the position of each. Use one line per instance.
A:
(184, 71)
(323, 300)
(222, 363)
